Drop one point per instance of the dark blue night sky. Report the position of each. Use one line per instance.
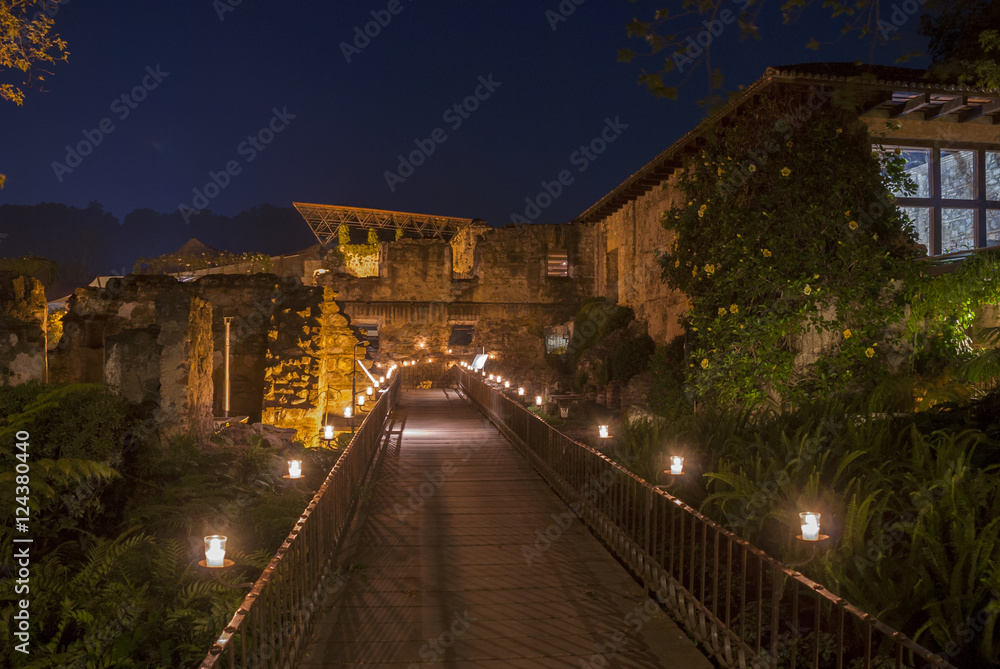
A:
(208, 83)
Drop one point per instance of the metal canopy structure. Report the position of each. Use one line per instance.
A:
(325, 221)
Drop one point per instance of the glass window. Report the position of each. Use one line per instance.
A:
(958, 230)
(921, 219)
(958, 170)
(918, 169)
(993, 227)
(993, 175)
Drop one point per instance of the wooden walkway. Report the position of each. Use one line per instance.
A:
(463, 556)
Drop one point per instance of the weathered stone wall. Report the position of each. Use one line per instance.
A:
(625, 257)
(309, 363)
(494, 280)
(186, 342)
(23, 319)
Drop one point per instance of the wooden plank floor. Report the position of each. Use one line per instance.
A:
(446, 565)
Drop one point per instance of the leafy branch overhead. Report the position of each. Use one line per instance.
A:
(26, 43)
(964, 35)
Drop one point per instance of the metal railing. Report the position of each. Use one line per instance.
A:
(274, 620)
(744, 607)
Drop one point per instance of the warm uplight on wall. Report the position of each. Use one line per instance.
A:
(603, 431)
(215, 551)
(294, 469)
(810, 525)
(676, 465)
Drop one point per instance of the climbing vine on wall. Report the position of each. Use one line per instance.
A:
(361, 259)
(943, 307)
(787, 227)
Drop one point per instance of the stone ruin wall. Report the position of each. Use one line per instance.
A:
(494, 281)
(23, 321)
(160, 342)
(627, 270)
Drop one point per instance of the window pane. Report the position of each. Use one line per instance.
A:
(917, 166)
(921, 219)
(992, 175)
(993, 227)
(958, 175)
(958, 230)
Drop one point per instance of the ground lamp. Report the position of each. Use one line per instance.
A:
(215, 552)
(430, 359)
(381, 379)
(449, 350)
(506, 384)
(370, 391)
(602, 430)
(348, 412)
(361, 401)
(328, 433)
(810, 527)
(520, 391)
(538, 400)
(294, 469)
(676, 465)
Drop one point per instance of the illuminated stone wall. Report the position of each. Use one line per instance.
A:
(23, 314)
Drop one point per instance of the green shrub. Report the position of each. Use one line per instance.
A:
(668, 396)
(631, 357)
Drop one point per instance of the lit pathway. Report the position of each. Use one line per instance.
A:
(448, 581)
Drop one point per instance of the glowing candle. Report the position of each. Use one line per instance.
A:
(603, 430)
(215, 550)
(328, 432)
(676, 464)
(294, 469)
(810, 525)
